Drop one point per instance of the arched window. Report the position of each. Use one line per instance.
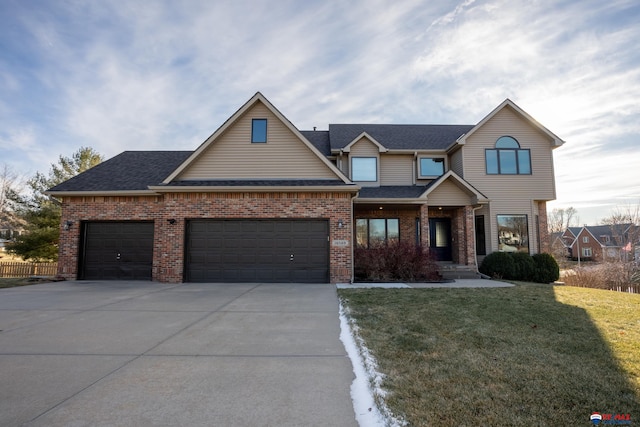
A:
(507, 158)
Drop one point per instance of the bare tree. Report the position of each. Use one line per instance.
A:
(11, 185)
(561, 219)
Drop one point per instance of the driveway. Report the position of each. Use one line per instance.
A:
(150, 354)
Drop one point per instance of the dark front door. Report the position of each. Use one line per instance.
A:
(116, 250)
(270, 250)
(440, 238)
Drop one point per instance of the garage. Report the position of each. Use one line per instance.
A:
(116, 250)
(266, 250)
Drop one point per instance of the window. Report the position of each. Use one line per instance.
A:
(375, 231)
(258, 131)
(586, 252)
(431, 166)
(507, 158)
(364, 169)
(513, 233)
(585, 239)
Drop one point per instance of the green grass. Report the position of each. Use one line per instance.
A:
(22, 281)
(522, 356)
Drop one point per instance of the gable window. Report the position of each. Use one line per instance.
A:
(507, 158)
(377, 231)
(258, 131)
(585, 239)
(431, 167)
(513, 233)
(364, 169)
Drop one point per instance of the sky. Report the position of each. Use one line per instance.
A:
(118, 75)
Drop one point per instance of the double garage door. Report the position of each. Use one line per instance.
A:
(216, 250)
(257, 251)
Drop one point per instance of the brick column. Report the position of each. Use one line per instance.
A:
(469, 236)
(543, 229)
(424, 226)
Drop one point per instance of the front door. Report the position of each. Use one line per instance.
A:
(440, 238)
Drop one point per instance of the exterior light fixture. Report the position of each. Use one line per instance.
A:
(171, 221)
(340, 223)
(67, 224)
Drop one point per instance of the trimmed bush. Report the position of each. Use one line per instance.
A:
(499, 265)
(525, 266)
(396, 261)
(547, 269)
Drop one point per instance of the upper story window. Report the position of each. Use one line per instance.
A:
(585, 239)
(507, 158)
(258, 131)
(364, 169)
(431, 167)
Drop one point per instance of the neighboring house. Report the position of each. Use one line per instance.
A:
(261, 201)
(599, 242)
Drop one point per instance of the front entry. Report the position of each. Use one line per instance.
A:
(440, 238)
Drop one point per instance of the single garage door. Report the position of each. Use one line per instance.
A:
(273, 251)
(116, 250)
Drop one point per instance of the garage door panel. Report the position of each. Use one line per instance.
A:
(117, 250)
(258, 251)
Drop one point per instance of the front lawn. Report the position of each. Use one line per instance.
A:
(521, 356)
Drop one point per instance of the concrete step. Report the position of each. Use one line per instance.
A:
(454, 271)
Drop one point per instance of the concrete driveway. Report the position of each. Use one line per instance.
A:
(150, 354)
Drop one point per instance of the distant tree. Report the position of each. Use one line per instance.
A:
(41, 213)
(559, 220)
(11, 185)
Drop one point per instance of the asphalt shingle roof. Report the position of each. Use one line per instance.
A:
(399, 137)
(128, 171)
(320, 139)
(392, 192)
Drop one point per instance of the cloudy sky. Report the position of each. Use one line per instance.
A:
(120, 75)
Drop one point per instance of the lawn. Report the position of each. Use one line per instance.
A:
(12, 282)
(521, 356)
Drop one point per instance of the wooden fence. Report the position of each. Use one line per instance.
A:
(28, 269)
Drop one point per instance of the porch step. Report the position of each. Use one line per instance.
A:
(455, 271)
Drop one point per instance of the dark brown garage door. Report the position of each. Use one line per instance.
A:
(270, 251)
(116, 250)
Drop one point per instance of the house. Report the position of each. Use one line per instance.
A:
(262, 201)
(599, 242)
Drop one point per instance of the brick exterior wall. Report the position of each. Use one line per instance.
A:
(543, 228)
(169, 239)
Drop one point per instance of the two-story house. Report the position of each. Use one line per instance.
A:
(261, 201)
(600, 242)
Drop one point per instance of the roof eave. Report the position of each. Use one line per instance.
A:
(254, 188)
(101, 193)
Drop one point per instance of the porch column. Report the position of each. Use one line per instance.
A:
(424, 225)
(469, 256)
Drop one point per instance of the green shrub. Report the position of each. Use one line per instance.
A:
(499, 265)
(547, 269)
(525, 266)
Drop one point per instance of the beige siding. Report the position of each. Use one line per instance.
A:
(512, 189)
(396, 169)
(448, 194)
(233, 156)
(456, 163)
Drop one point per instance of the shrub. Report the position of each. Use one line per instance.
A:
(396, 261)
(499, 265)
(547, 269)
(525, 266)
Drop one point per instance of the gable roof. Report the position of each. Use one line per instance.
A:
(459, 182)
(257, 98)
(128, 172)
(507, 103)
(397, 137)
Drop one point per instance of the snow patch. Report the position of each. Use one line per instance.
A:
(367, 382)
